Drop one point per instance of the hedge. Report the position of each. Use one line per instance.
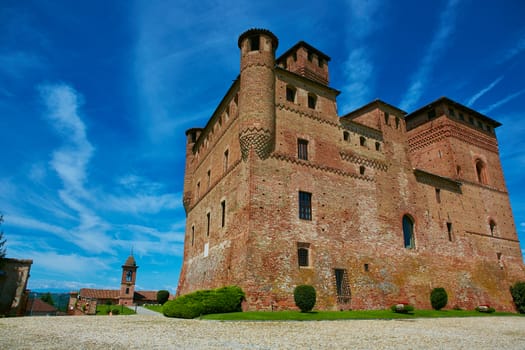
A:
(203, 302)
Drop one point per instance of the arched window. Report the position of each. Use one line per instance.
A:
(346, 136)
(408, 231)
(481, 171)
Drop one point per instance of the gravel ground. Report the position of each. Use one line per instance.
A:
(148, 332)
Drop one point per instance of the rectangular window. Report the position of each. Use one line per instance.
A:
(302, 149)
(223, 213)
(341, 285)
(225, 160)
(305, 205)
(290, 94)
(208, 219)
(254, 43)
(303, 252)
(127, 290)
(192, 235)
(387, 117)
(312, 101)
(209, 178)
(438, 195)
(198, 189)
(449, 229)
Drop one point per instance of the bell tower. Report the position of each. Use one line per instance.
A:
(257, 92)
(127, 283)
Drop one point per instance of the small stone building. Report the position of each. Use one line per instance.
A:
(14, 275)
(374, 207)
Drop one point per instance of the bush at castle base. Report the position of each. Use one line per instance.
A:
(438, 298)
(203, 302)
(518, 296)
(304, 297)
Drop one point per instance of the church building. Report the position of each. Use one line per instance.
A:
(86, 300)
(374, 207)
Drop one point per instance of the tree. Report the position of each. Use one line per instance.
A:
(47, 298)
(162, 296)
(438, 298)
(2, 243)
(518, 295)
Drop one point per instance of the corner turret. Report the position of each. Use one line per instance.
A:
(257, 97)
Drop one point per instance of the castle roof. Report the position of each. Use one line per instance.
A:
(375, 103)
(255, 31)
(306, 46)
(457, 105)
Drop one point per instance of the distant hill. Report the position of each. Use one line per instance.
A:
(60, 300)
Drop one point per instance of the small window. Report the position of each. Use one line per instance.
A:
(449, 230)
(310, 56)
(223, 213)
(387, 118)
(408, 232)
(127, 290)
(225, 160)
(198, 189)
(209, 178)
(492, 225)
(254, 43)
(481, 171)
(438, 195)
(362, 141)
(208, 222)
(461, 117)
(290, 94)
(320, 62)
(303, 254)
(366, 267)
(302, 149)
(451, 112)
(397, 123)
(458, 170)
(192, 235)
(305, 205)
(312, 101)
(378, 146)
(346, 136)
(362, 170)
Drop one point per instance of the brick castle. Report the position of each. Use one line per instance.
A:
(372, 208)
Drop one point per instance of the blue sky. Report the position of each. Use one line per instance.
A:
(95, 97)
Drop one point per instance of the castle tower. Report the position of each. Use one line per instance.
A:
(257, 92)
(127, 283)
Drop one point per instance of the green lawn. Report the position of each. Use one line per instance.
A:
(345, 315)
(117, 310)
(157, 308)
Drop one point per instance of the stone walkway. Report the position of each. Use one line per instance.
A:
(147, 332)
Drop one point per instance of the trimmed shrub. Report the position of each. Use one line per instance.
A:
(438, 298)
(304, 297)
(402, 308)
(518, 295)
(162, 296)
(203, 302)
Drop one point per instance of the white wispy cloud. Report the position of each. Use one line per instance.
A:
(502, 101)
(483, 91)
(514, 51)
(17, 63)
(420, 79)
(358, 67)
